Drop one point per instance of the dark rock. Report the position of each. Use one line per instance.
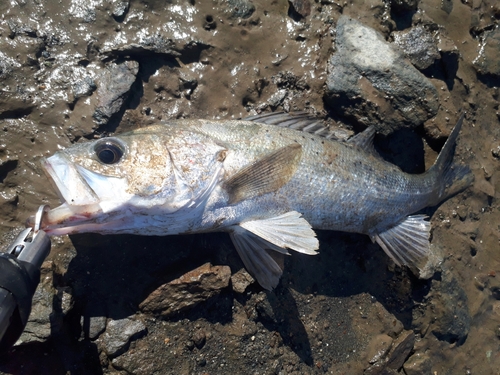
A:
(371, 82)
(84, 87)
(400, 350)
(199, 338)
(187, 291)
(400, 6)
(119, 334)
(97, 325)
(113, 88)
(450, 310)
(418, 364)
(141, 361)
(241, 280)
(120, 9)
(240, 8)
(487, 61)
(38, 328)
(386, 356)
(419, 45)
(301, 7)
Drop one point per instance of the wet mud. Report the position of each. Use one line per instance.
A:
(77, 70)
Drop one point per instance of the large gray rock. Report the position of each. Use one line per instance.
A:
(188, 290)
(371, 82)
(488, 61)
(113, 89)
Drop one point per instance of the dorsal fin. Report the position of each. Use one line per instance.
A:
(364, 140)
(294, 120)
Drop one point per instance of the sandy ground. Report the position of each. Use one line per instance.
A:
(348, 310)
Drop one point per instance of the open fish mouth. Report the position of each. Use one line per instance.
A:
(84, 207)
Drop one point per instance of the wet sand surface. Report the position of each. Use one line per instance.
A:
(78, 70)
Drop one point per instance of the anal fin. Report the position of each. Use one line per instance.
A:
(408, 242)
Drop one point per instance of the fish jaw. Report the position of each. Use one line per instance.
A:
(70, 185)
(89, 200)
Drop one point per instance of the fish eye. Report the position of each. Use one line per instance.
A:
(109, 151)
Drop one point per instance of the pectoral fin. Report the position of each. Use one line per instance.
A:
(265, 175)
(408, 242)
(289, 230)
(251, 238)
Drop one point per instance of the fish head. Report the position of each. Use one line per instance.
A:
(132, 183)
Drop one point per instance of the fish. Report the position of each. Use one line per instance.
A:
(268, 180)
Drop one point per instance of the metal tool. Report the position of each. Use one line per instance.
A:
(19, 277)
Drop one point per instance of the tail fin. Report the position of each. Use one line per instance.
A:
(451, 178)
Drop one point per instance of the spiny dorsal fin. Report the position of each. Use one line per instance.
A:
(265, 175)
(295, 120)
(364, 140)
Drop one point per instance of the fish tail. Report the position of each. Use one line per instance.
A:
(451, 178)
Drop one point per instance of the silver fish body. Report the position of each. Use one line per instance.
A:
(266, 185)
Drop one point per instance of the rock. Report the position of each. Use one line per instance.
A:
(400, 350)
(241, 280)
(141, 361)
(120, 9)
(188, 290)
(487, 61)
(199, 338)
(400, 6)
(49, 307)
(113, 88)
(84, 87)
(301, 7)
(240, 8)
(386, 355)
(418, 364)
(370, 81)
(450, 310)
(119, 334)
(7, 64)
(96, 326)
(418, 45)
(147, 44)
(378, 348)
